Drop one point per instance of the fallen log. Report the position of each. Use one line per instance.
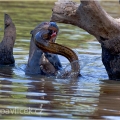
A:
(90, 16)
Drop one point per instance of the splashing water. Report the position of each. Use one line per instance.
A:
(67, 72)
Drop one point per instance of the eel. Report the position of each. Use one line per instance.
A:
(55, 48)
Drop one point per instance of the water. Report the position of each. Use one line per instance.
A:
(24, 97)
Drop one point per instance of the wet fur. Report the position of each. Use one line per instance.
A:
(40, 62)
(7, 44)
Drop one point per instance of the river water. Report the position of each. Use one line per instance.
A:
(25, 97)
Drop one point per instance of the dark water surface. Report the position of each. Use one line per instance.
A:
(25, 97)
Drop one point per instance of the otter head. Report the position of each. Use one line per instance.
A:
(7, 20)
(47, 32)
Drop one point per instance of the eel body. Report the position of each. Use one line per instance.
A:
(64, 51)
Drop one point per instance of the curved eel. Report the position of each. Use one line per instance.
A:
(42, 46)
(64, 51)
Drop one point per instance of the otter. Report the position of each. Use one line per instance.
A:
(7, 44)
(45, 41)
(39, 61)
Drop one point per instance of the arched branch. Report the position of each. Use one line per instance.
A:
(90, 16)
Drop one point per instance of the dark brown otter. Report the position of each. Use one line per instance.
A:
(7, 44)
(40, 62)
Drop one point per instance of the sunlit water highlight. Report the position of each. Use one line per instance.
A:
(25, 97)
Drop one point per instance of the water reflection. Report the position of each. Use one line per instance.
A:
(109, 100)
(6, 71)
(26, 97)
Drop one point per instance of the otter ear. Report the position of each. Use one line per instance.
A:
(31, 32)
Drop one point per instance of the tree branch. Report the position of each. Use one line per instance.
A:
(90, 16)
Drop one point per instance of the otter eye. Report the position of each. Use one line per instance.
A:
(50, 32)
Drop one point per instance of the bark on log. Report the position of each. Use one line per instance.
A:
(90, 16)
